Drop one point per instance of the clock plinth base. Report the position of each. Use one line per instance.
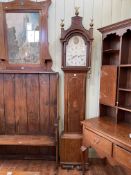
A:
(70, 153)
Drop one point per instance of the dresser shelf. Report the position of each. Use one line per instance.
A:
(115, 86)
(124, 89)
(110, 51)
(125, 65)
(125, 108)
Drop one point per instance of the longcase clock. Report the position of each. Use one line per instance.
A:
(76, 62)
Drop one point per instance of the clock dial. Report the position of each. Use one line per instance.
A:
(76, 52)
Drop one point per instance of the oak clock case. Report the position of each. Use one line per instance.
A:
(76, 62)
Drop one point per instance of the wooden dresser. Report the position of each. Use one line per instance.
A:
(110, 140)
(109, 133)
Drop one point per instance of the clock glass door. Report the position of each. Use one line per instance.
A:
(76, 52)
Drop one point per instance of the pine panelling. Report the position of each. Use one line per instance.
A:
(53, 103)
(32, 86)
(125, 12)
(116, 10)
(107, 13)
(97, 13)
(27, 105)
(93, 92)
(2, 119)
(44, 103)
(20, 104)
(69, 12)
(9, 98)
(88, 14)
(60, 14)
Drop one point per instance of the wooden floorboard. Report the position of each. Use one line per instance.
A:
(40, 167)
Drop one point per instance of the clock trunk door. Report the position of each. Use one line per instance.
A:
(75, 94)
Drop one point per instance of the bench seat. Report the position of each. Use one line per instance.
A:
(27, 140)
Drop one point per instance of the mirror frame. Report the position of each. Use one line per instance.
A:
(21, 6)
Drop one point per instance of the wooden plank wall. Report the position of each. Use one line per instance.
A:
(28, 103)
(104, 12)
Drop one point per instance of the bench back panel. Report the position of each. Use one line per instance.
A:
(28, 103)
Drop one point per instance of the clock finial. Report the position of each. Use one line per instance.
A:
(77, 11)
(62, 23)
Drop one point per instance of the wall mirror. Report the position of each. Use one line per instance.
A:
(24, 34)
(23, 38)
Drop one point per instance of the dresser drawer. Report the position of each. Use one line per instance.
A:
(97, 142)
(122, 156)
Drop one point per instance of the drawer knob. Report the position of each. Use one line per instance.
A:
(130, 135)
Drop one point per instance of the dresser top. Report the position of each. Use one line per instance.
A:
(117, 133)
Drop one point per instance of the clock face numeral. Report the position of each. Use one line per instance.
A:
(76, 52)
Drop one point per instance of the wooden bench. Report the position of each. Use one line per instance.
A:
(28, 109)
(26, 140)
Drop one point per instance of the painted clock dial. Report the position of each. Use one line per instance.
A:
(76, 52)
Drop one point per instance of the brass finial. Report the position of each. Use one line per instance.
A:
(62, 23)
(91, 24)
(77, 11)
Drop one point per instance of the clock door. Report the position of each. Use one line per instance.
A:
(74, 101)
(76, 52)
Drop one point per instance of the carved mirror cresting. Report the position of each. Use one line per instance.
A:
(24, 35)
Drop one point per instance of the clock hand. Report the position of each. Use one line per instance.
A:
(74, 56)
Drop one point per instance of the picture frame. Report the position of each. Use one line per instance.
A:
(24, 35)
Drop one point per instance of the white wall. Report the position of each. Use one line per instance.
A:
(104, 12)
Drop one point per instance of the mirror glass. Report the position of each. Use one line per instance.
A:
(23, 36)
